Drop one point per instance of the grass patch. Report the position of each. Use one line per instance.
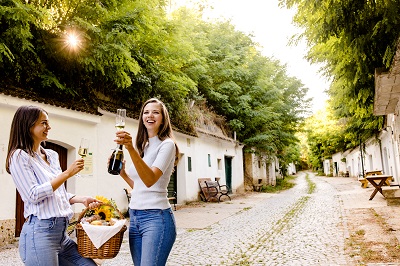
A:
(281, 184)
(311, 185)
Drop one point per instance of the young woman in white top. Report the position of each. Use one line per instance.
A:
(40, 182)
(152, 230)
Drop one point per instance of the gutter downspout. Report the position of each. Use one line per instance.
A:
(380, 150)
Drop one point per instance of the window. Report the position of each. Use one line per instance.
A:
(209, 160)
(219, 164)
(188, 142)
(190, 164)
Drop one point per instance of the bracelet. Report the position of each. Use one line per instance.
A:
(73, 196)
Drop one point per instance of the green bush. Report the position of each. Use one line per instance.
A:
(281, 184)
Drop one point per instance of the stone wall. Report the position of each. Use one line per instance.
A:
(7, 232)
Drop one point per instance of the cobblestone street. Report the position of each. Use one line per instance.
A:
(295, 227)
(289, 228)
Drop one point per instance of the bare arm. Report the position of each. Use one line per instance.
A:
(125, 176)
(72, 170)
(87, 201)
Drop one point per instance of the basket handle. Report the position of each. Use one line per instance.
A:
(104, 204)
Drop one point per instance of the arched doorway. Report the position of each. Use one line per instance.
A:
(19, 212)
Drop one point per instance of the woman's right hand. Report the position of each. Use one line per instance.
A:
(72, 170)
(75, 167)
(124, 138)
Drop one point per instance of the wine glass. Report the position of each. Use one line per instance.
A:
(120, 119)
(83, 150)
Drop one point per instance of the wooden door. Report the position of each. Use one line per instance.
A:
(228, 172)
(19, 212)
(172, 185)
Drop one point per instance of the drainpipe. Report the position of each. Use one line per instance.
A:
(394, 152)
(362, 160)
(380, 149)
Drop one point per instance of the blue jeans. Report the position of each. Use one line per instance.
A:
(45, 243)
(152, 234)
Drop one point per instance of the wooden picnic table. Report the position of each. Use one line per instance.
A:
(373, 179)
(374, 172)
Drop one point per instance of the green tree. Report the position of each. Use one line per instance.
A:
(351, 39)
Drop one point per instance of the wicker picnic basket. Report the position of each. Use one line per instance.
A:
(108, 250)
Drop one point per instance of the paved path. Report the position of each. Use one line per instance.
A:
(289, 228)
(294, 227)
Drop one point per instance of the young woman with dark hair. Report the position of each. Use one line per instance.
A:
(40, 182)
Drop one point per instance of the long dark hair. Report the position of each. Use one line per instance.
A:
(20, 134)
(165, 131)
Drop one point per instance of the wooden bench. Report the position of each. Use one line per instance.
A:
(364, 182)
(212, 190)
(171, 197)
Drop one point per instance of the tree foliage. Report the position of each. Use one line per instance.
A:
(128, 51)
(351, 38)
(325, 136)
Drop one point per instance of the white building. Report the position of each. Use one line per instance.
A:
(258, 171)
(204, 156)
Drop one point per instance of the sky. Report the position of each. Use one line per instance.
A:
(272, 28)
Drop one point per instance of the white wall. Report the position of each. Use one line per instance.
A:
(353, 162)
(292, 169)
(372, 157)
(327, 166)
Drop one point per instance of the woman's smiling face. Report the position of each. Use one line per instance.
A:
(152, 118)
(40, 129)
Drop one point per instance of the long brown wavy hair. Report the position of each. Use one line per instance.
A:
(20, 134)
(165, 131)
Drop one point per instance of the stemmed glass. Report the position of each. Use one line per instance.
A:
(120, 119)
(120, 122)
(83, 150)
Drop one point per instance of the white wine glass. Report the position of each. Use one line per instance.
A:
(83, 150)
(120, 119)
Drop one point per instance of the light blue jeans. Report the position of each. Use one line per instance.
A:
(152, 234)
(45, 243)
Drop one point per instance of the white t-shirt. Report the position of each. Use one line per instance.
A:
(160, 154)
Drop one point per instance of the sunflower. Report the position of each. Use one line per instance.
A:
(102, 199)
(105, 212)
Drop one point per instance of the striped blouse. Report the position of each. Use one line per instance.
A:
(32, 177)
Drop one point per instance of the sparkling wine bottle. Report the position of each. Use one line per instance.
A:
(115, 163)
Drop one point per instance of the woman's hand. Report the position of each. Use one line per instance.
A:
(90, 202)
(124, 138)
(123, 173)
(75, 167)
